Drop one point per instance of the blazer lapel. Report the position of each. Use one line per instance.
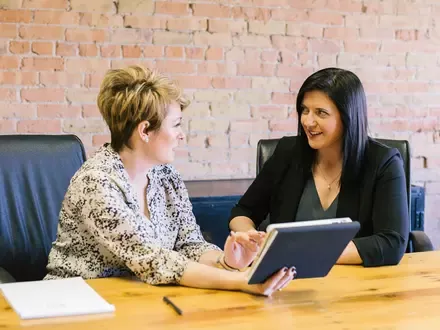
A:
(289, 196)
(348, 201)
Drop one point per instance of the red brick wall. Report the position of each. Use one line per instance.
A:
(241, 63)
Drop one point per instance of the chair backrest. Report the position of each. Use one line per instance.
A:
(35, 171)
(266, 147)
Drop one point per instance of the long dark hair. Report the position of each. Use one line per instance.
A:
(346, 91)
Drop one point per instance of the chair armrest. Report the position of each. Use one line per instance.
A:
(420, 241)
(5, 277)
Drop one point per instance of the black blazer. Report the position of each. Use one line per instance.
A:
(378, 200)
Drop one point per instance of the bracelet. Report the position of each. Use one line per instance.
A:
(221, 261)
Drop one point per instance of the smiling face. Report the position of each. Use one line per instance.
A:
(163, 142)
(321, 121)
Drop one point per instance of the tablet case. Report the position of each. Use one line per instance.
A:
(313, 250)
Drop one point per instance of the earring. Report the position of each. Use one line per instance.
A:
(146, 139)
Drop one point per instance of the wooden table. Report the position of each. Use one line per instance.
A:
(351, 297)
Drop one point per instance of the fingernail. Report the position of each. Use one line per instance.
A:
(284, 269)
(292, 269)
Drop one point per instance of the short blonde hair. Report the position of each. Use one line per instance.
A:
(134, 94)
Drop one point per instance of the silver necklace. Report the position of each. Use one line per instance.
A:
(329, 185)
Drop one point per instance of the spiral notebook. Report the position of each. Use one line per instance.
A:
(54, 298)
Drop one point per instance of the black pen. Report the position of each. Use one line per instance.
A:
(169, 302)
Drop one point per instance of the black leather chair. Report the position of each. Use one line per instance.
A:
(35, 171)
(418, 240)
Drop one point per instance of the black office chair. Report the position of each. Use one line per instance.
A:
(418, 240)
(35, 171)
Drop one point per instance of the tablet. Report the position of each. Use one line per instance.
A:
(313, 247)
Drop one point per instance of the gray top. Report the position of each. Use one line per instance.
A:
(310, 207)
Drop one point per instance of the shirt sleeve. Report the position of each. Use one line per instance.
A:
(190, 241)
(390, 218)
(114, 225)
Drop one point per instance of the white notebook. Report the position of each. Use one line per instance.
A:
(54, 298)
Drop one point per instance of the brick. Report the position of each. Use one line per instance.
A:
(61, 79)
(174, 52)
(153, 51)
(81, 95)
(9, 62)
(39, 126)
(251, 13)
(362, 21)
(144, 22)
(211, 10)
(87, 65)
(191, 170)
(362, 47)
(249, 126)
(209, 125)
(131, 36)
(242, 155)
(4, 44)
(284, 125)
(43, 64)
(231, 82)
(227, 170)
(7, 126)
(376, 33)
(84, 126)
(119, 64)
(214, 54)
(56, 17)
(327, 60)
(197, 109)
(172, 66)
(8, 31)
(170, 8)
(171, 38)
(113, 51)
(271, 83)
(300, 73)
(43, 48)
(131, 51)
(100, 139)
(325, 46)
(218, 141)
(267, 28)
(238, 139)
(195, 53)
(86, 35)
(230, 110)
(58, 111)
(271, 56)
(212, 96)
(187, 24)
(227, 26)
(15, 16)
(341, 33)
(348, 6)
(402, 22)
(49, 4)
(94, 80)
(414, 59)
(197, 140)
(100, 20)
(19, 47)
(252, 41)
(235, 54)
(14, 110)
(252, 96)
(42, 95)
(88, 50)
(18, 78)
(283, 98)
(211, 154)
(103, 6)
(256, 69)
(90, 111)
(305, 30)
(325, 18)
(269, 112)
(63, 49)
(39, 32)
(289, 14)
(290, 43)
(213, 39)
(8, 94)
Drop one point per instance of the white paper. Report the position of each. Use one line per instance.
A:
(54, 298)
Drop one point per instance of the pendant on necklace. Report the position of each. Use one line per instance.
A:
(329, 187)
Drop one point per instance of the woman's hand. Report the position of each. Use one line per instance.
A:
(242, 248)
(276, 282)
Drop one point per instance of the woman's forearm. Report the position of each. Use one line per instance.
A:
(241, 223)
(198, 275)
(350, 255)
(210, 258)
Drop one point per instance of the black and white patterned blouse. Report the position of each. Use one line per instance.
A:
(102, 231)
